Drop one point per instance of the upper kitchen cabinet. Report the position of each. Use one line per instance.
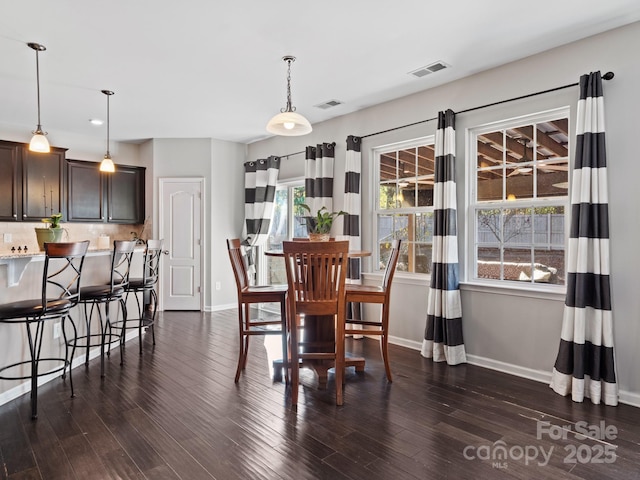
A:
(85, 192)
(9, 191)
(125, 195)
(32, 183)
(93, 196)
(42, 184)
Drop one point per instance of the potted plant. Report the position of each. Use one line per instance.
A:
(52, 233)
(319, 225)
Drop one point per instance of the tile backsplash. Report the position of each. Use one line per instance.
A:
(23, 233)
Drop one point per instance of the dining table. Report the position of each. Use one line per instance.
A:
(320, 330)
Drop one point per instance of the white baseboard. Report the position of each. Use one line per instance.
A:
(531, 374)
(25, 387)
(403, 342)
(217, 308)
(628, 398)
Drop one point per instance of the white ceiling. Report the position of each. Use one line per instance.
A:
(213, 68)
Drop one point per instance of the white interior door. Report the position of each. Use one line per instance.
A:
(181, 207)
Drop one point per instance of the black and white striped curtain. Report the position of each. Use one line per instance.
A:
(318, 173)
(443, 334)
(260, 180)
(585, 362)
(351, 221)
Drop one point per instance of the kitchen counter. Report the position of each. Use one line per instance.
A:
(17, 262)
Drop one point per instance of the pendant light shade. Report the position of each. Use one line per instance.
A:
(107, 164)
(288, 122)
(39, 142)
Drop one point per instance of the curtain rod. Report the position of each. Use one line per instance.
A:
(298, 153)
(606, 76)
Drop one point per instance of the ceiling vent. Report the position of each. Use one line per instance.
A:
(429, 69)
(329, 104)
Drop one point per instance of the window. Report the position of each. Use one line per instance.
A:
(284, 225)
(519, 199)
(404, 203)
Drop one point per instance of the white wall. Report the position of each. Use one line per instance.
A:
(507, 330)
(220, 164)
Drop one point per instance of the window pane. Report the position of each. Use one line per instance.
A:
(490, 184)
(489, 148)
(388, 197)
(517, 226)
(385, 229)
(519, 142)
(404, 258)
(424, 227)
(489, 264)
(425, 192)
(553, 139)
(489, 226)
(299, 226)
(423, 257)
(388, 168)
(549, 264)
(407, 197)
(278, 231)
(519, 183)
(279, 226)
(517, 264)
(384, 252)
(407, 163)
(553, 179)
(549, 226)
(402, 226)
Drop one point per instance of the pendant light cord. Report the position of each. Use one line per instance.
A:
(288, 108)
(39, 128)
(108, 154)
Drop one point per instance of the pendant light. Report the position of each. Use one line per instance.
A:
(39, 142)
(288, 122)
(107, 164)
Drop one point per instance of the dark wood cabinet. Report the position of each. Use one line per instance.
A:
(93, 196)
(42, 184)
(125, 195)
(9, 180)
(85, 192)
(31, 184)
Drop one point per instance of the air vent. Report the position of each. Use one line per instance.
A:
(329, 104)
(429, 69)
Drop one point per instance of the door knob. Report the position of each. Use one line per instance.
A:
(166, 252)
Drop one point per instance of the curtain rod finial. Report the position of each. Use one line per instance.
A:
(608, 76)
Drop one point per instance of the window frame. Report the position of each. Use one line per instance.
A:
(376, 152)
(472, 205)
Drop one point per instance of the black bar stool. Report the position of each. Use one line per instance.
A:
(95, 297)
(60, 286)
(148, 304)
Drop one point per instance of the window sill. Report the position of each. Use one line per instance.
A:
(556, 293)
(419, 279)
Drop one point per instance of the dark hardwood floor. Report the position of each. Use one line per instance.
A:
(175, 412)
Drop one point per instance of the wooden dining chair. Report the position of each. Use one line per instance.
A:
(316, 274)
(379, 295)
(253, 294)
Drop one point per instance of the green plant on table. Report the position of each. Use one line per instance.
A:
(322, 221)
